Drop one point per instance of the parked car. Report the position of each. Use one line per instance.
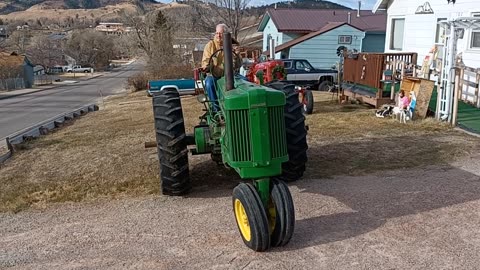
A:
(79, 69)
(301, 72)
(54, 70)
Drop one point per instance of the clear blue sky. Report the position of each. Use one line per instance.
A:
(366, 4)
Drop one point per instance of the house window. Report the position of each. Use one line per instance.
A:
(344, 39)
(440, 34)
(475, 40)
(396, 36)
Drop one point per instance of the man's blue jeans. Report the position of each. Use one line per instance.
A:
(210, 83)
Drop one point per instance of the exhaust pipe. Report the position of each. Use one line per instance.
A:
(272, 49)
(228, 54)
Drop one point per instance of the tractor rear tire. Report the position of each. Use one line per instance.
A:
(308, 98)
(296, 131)
(171, 143)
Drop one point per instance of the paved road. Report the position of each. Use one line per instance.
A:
(18, 113)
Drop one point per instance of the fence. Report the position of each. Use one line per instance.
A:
(43, 128)
(367, 68)
(12, 84)
(43, 79)
(467, 81)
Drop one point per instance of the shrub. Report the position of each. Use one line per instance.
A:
(138, 82)
(176, 71)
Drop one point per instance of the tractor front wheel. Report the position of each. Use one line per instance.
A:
(171, 142)
(281, 214)
(251, 217)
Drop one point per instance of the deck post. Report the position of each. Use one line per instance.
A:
(456, 93)
(394, 71)
(476, 98)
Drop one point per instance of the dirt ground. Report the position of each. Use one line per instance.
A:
(376, 195)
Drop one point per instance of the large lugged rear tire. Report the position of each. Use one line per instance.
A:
(171, 142)
(296, 130)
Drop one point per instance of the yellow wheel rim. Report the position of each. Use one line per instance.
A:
(272, 217)
(242, 220)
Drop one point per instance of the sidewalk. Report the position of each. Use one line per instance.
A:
(66, 81)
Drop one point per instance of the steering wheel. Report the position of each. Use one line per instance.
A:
(237, 62)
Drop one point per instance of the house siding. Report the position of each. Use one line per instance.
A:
(373, 42)
(420, 29)
(321, 51)
(271, 29)
(28, 75)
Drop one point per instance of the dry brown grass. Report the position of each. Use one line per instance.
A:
(350, 139)
(102, 154)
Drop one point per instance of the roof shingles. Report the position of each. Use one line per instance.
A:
(309, 20)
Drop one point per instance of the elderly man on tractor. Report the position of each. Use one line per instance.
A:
(215, 69)
(214, 66)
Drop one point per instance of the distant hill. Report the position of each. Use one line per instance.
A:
(70, 14)
(9, 6)
(311, 4)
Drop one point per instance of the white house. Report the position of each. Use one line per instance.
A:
(412, 26)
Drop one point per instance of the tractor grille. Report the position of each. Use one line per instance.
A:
(240, 138)
(240, 135)
(277, 132)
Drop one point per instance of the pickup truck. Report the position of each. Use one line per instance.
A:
(79, 69)
(301, 72)
(183, 86)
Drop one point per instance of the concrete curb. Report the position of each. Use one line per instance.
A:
(26, 93)
(467, 132)
(43, 128)
(40, 90)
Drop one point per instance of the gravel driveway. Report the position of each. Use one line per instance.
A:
(407, 219)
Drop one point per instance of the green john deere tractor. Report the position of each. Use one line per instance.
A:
(259, 132)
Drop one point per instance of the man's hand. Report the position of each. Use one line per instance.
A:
(205, 69)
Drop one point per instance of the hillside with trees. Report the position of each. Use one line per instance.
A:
(9, 6)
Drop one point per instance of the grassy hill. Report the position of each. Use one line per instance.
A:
(61, 14)
(312, 4)
(9, 6)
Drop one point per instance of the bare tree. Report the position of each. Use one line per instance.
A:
(89, 47)
(230, 12)
(142, 29)
(153, 34)
(125, 46)
(9, 69)
(19, 40)
(46, 51)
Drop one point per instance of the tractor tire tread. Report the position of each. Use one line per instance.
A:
(171, 143)
(296, 133)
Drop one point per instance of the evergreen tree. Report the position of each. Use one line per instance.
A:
(162, 39)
